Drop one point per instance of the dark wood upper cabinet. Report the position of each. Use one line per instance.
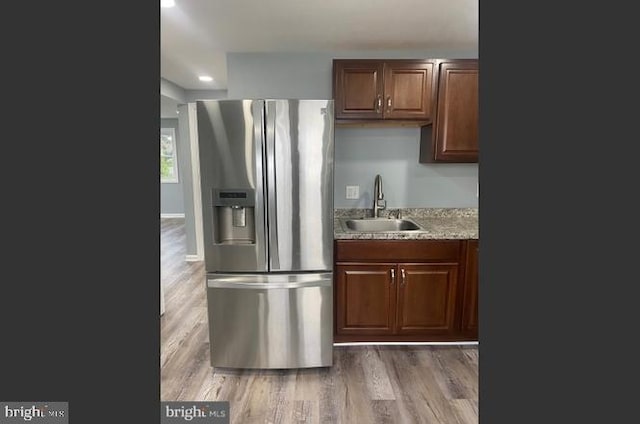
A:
(470, 299)
(358, 89)
(409, 90)
(454, 136)
(415, 92)
(384, 90)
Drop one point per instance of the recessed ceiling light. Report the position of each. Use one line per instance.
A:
(167, 3)
(205, 78)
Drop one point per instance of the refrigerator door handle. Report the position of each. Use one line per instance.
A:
(270, 281)
(261, 224)
(216, 284)
(271, 185)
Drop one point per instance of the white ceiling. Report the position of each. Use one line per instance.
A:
(195, 35)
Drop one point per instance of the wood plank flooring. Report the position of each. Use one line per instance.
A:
(367, 384)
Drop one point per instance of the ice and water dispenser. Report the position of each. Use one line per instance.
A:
(233, 216)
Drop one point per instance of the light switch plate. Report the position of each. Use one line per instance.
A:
(353, 192)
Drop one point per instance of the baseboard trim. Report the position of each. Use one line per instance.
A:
(171, 215)
(404, 343)
(193, 258)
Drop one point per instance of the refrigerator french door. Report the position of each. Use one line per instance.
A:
(266, 169)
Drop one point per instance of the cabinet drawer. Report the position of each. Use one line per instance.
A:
(397, 250)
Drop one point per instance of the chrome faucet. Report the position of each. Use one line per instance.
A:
(378, 197)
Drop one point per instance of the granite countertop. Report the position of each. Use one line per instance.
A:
(435, 223)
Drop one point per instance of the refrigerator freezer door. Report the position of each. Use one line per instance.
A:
(300, 149)
(231, 145)
(270, 320)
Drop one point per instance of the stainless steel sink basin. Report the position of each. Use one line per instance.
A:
(379, 224)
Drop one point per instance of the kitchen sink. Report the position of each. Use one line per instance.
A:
(379, 224)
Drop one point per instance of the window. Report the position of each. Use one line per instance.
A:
(168, 156)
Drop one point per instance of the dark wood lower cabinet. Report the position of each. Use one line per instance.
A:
(406, 301)
(367, 297)
(470, 300)
(427, 298)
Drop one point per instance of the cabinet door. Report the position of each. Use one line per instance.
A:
(365, 299)
(427, 298)
(470, 301)
(357, 89)
(455, 130)
(409, 90)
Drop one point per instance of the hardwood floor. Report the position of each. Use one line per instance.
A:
(367, 384)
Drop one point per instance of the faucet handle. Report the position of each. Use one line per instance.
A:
(382, 204)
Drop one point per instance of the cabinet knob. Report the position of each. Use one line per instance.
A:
(388, 103)
(378, 103)
(393, 275)
(404, 277)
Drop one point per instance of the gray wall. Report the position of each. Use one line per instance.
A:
(168, 107)
(171, 194)
(361, 153)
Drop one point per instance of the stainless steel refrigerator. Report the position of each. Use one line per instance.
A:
(266, 169)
